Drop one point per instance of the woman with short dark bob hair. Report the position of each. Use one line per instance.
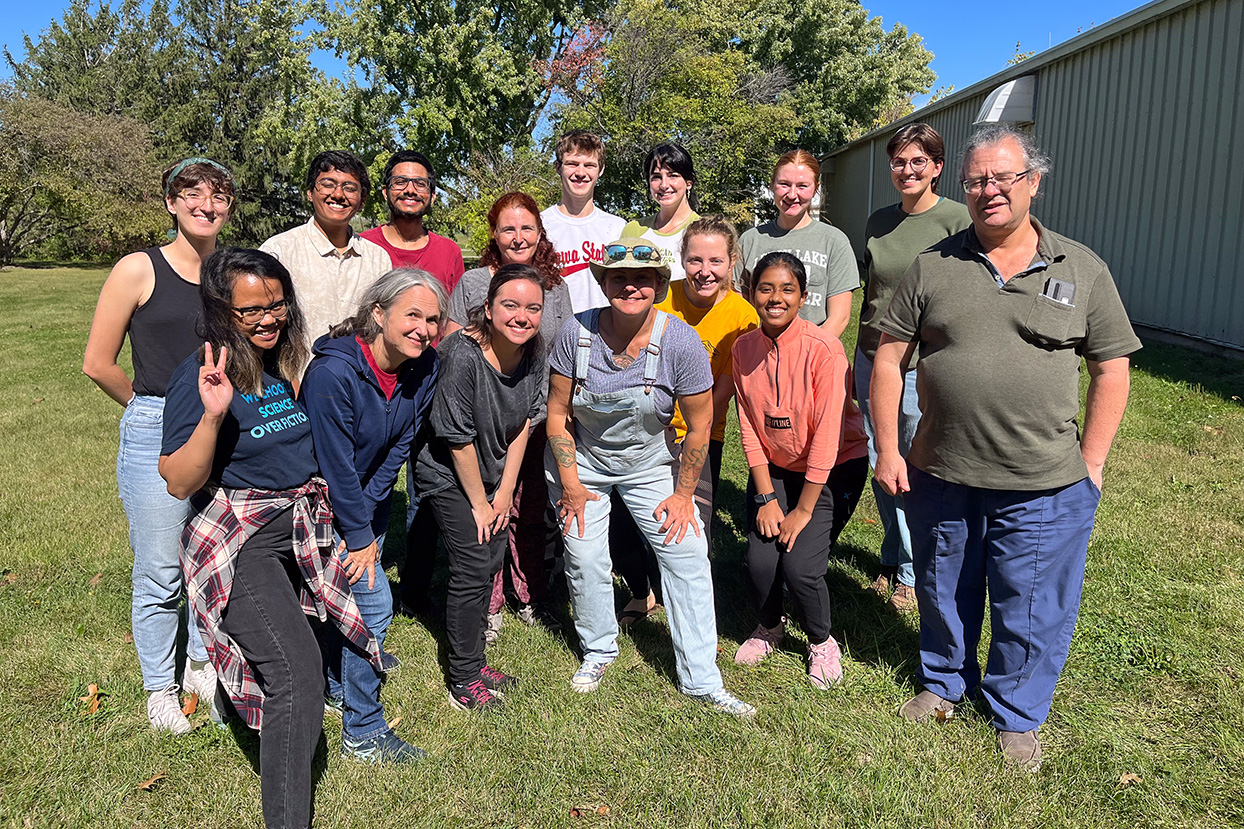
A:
(258, 552)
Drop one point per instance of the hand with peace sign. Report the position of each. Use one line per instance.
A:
(215, 389)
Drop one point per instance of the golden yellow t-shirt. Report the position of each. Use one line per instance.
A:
(717, 327)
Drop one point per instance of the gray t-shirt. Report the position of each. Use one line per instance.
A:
(824, 251)
(475, 404)
(683, 367)
(472, 290)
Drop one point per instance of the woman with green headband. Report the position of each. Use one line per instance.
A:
(153, 297)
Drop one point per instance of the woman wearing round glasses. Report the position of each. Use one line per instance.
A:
(518, 238)
(894, 235)
(616, 375)
(258, 552)
(671, 180)
(822, 248)
(153, 297)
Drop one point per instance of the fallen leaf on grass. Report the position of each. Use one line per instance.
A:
(95, 580)
(9, 578)
(1128, 779)
(602, 810)
(129, 638)
(37, 400)
(869, 520)
(192, 704)
(584, 811)
(150, 784)
(575, 813)
(393, 722)
(93, 698)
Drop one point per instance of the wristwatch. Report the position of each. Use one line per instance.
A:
(763, 498)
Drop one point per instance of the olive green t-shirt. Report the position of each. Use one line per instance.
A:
(999, 365)
(893, 238)
(824, 251)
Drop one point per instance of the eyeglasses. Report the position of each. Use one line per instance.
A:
(328, 186)
(640, 253)
(195, 198)
(917, 164)
(399, 183)
(1003, 181)
(254, 314)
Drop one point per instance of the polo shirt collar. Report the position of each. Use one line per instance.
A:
(1049, 248)
(323, 247)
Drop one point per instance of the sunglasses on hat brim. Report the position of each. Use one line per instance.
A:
(640, 253)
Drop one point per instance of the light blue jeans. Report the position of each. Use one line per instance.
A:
(896, 545)
(156, 520)
(686, 576)
(350, 676)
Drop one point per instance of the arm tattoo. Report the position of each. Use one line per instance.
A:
(692, 464)
(563, 451)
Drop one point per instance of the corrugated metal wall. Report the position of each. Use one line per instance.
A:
(1146, 133)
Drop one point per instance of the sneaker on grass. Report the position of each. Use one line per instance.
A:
(389, 663)
(496, 681)
(927, 705)
(727, 703)
(760, 644)
(164, 711)
(493, 631)
(539, 614)
(334, 705)
(385, 747)
(824, 664)
(474, 696)
(1020, 749)
(588, 676)
(199, 680)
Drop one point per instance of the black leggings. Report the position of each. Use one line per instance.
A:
(265, 618)
(802, 567)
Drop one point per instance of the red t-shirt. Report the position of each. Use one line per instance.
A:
(439, 257)
(388, 382)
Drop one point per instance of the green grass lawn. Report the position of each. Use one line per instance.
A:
(1147, 728)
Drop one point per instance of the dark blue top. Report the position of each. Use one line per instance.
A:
(264, 441)
(361, 438)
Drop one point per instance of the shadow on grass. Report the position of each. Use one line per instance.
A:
(1216, 374)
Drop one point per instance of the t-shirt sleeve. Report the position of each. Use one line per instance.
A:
(453, 407)
(902, 319)
(842, 273)
(692, 372)
(183, 408)
(561, 355)
(459, 302)
(1108, 332)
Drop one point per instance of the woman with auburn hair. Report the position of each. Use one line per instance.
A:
(517, 237)
(894, 235)
(258, 552)
(153, 297)
(822, 248)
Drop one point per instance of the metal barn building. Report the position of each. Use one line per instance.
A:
(1144, 120)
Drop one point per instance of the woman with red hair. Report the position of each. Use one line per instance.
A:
(517, 237)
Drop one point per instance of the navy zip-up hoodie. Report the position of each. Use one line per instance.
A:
(362, 439)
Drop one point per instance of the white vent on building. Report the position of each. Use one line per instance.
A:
(1011, 103)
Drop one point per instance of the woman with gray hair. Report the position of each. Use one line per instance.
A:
(366, 392)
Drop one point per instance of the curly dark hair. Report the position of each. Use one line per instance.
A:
(545, 259)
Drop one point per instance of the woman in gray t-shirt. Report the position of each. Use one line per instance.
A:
(488, 393)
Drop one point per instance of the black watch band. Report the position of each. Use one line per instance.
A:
(763, 498)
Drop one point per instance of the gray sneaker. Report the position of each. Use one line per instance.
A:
(927, 705)
(538, 614)
(164, 711)
(727, 703)
(493, 632)
(1020, 749)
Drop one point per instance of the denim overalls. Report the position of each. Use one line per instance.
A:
(622, 443)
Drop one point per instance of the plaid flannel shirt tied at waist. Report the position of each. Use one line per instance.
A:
(223, 520)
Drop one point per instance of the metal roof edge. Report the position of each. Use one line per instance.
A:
(1111, 28)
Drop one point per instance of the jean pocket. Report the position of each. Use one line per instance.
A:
(1053, 323)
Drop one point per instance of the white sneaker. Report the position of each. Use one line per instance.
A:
(201, 682)
(492, 632)
(164, 711)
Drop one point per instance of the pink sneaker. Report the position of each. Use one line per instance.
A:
(760, 644)
(824, 664)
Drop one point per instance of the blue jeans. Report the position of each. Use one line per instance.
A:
(686, 576)
(1030, 549)
(156, 520)
(350, 676)
(896, 544)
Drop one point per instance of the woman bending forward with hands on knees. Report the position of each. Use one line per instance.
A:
(616, 374)
(153, 296)
(258, 552)
(367, 393)
(804, 442)
(492, 386)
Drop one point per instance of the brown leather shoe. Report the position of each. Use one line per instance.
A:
(904, 598)
(925, 706)
(1020, 749)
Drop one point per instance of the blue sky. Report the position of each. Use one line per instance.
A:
(970, 39)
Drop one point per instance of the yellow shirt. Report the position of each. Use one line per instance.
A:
(717, 327)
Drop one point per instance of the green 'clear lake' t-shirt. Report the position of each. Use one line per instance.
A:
(824, 251)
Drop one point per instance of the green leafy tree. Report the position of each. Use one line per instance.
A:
(87, 180)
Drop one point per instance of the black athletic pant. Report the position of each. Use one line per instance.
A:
(422, 535)
(802, 567)
(472, 568)
(265, 618)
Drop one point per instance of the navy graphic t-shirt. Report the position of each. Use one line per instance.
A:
(264, 442)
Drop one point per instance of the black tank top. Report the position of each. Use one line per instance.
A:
(162, 329)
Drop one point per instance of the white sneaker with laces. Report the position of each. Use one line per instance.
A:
(201, 681)
(164, 711)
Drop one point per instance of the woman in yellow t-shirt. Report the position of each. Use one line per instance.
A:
(706, 301)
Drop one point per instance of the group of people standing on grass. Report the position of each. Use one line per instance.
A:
(571, 395)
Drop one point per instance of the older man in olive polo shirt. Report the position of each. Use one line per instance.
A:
(1001, 485)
